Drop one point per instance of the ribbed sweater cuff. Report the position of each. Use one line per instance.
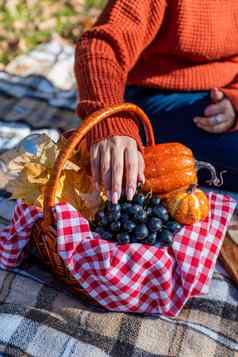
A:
(121, 125)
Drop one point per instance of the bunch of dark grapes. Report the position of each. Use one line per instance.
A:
(142, 220)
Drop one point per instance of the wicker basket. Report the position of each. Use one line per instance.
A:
(43, 235)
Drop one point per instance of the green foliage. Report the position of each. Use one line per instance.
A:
(94, 3)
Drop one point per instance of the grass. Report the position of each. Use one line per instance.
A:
(28, 23)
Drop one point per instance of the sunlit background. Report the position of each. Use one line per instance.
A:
(27, 23)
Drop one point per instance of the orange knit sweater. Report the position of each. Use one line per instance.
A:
(168, 44)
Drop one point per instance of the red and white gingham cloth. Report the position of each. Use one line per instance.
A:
(132, 277)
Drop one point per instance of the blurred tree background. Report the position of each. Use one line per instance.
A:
(25, 24)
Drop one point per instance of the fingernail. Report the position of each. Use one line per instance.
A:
(130, 194)
(114, 197)
(195, 120)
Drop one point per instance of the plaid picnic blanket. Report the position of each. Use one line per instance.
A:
(38, 94)
(39, 318)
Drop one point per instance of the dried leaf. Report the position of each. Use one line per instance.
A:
(68, 192)
(75, 185)
(17, 163)
(36, 173)
(47, 152)
(20, 188)
(11, 164)
(78, 190)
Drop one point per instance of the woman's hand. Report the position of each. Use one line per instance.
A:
(110, 159)
(219, 116)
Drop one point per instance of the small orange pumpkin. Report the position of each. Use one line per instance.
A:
(188, 207)
(168, 167)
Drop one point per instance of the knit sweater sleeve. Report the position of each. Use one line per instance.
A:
(104, 56)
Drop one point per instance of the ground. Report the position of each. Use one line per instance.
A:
(27, 23)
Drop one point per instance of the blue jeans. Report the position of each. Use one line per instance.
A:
(171, 115)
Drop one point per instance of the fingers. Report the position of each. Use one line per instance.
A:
(210, 121)
(106, 172)
(131, 165)
(95, 164)
(214, 109)
(216, 95)
(218, 117)
(118, 165)
(141, 168)
(216, 124)
(117, 172)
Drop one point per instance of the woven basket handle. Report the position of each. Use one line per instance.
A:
(66, 152)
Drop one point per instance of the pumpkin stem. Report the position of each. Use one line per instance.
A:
(214, 180)
(149, 195)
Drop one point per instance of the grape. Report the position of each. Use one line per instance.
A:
(139, 199)
(154, 224)
(140, 216)
(125, 207)
(160, 212)
(123, 238)
(155, 201)
(107, 235)
(149, 211)
(104, 221)
(99, 216)
(165, 237)
(129, 226)
(113, 217)
(134, 209)
(173, 226)
(100, 231)
(115, 226)
(151, 239)
(116, 208)
(124, 218)
(139, 221)
(141, 231)
(113, 208)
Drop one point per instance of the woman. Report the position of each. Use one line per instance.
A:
(177, 60)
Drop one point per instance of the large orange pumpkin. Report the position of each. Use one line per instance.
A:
(168, 167)
(188, 207)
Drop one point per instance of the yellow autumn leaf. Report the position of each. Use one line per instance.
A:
(17, 163)
(78, 190)
(47, 152)
(68, 193)
(74, 186)
(21, 189)
(36, 173)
